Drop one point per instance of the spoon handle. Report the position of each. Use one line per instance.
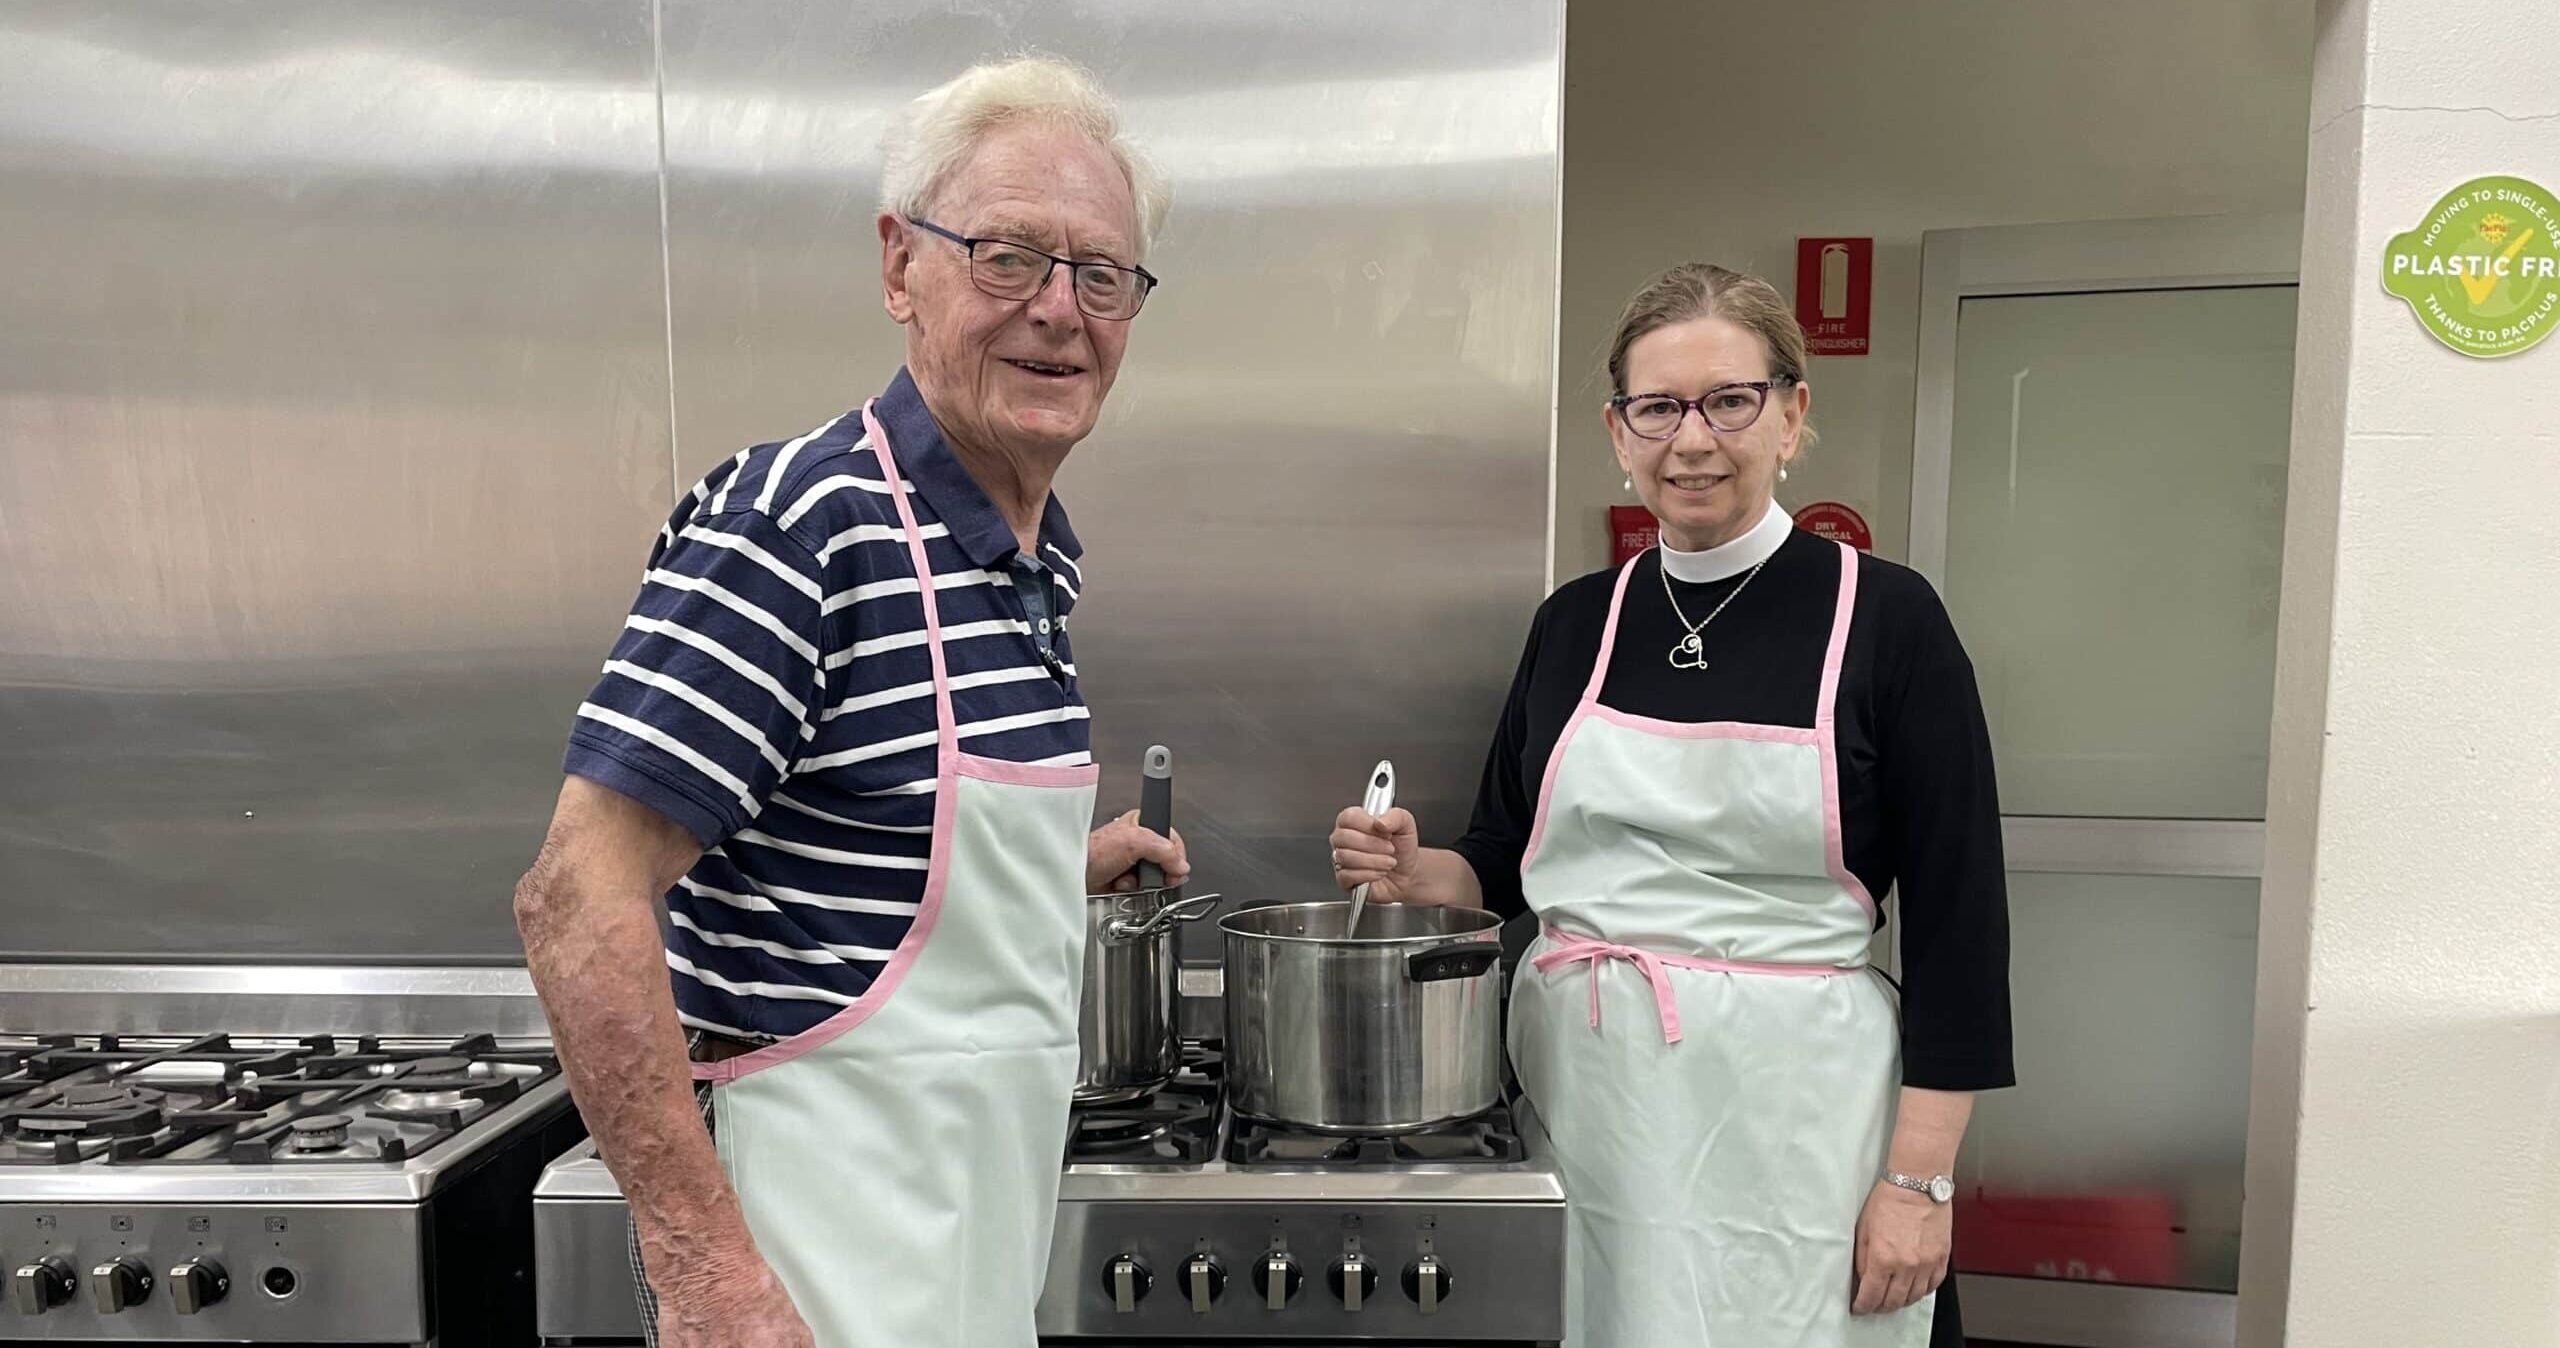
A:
(1380, 798)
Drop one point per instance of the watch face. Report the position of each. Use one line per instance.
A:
(1942, 1190)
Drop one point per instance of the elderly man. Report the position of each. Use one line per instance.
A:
(841, 733)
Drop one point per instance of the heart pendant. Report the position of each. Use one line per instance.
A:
(1689, 654)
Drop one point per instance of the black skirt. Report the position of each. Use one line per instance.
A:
(1947, 1331)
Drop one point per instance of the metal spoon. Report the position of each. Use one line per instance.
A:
(1381, 798)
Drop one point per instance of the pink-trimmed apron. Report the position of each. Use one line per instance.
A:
(1696, 1028)
(899, 1162)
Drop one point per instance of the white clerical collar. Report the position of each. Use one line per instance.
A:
(1731, 559)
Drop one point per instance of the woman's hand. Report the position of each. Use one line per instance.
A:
(1903, 1245)
(1377, 852)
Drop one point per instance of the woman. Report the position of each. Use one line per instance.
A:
(1713, 761)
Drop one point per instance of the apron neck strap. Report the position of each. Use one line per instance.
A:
(946, 729)
(1609, 630)
(1832, 654)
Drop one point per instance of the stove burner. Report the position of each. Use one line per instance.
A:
(1097, 1131)
(1177, 1125)
(1109, 1099)
(1486, 1139)
(91, 1111)
(446, 1091)
(414, 1102)
(319, 1132)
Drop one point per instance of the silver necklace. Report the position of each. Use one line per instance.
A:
(1689, 652)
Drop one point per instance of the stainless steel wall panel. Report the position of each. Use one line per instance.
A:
(333, 427)
(335, 418)
(1316, 508)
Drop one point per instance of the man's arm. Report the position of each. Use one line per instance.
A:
(587, 911)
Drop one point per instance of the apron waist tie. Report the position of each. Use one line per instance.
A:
(1575, 948)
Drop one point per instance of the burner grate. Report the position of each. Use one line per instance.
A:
(91, 1111)
(317, 1100)
(1177, 1124)
(1487, 1139)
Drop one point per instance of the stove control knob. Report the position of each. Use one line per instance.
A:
(1354, 1280)
(119, 1284)
(1278, 1278)
(1427, 1283)
(42, 1285)
(196, 1284)
(1126, 1281)
(1204, 1280)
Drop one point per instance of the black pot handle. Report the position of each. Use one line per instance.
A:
(1458, 959)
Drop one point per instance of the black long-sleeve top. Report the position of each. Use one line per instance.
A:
(1918, 803)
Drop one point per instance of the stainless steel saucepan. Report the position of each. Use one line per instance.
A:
(1396, 1029)
(1127, 1027)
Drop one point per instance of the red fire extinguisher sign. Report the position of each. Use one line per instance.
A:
(1835, 285)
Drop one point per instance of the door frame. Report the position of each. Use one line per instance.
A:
(2176, 253)
(2184, 253)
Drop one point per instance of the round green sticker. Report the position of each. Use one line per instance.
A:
(2483, 272)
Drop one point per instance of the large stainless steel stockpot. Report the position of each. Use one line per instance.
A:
(1397, 1029)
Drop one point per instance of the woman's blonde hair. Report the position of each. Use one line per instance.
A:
(1696, 290)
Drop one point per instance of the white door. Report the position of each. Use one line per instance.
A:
(2099, 495)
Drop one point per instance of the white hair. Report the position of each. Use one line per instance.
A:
(932, 136)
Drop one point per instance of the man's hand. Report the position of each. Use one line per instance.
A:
(1113, 852)
(591, 940)
(739, 1306)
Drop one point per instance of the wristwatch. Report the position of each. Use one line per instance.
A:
(1939, 1188)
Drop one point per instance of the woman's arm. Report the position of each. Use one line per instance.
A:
(1942, 809)
(1906, 1239)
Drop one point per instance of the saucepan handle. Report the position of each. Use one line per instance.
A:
(1181, 910)
(1458, 959)
(1189, 910)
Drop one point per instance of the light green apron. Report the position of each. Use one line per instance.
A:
(899, 1162)
(1696, 1028)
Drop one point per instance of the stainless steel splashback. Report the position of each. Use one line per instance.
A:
(1315, 511)
(333, 422)
(335, 415)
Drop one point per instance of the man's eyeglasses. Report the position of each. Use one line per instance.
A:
(1011, 271)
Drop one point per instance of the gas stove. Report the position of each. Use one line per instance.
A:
(1181, 1224)
(169, 1176)
(127, 1103)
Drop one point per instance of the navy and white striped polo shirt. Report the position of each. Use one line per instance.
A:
(772, 693)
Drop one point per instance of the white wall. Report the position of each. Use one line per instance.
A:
(2404, 1144)
(1723, 131)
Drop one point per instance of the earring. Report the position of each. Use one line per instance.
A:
(1782, 472)
(1629, 484)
